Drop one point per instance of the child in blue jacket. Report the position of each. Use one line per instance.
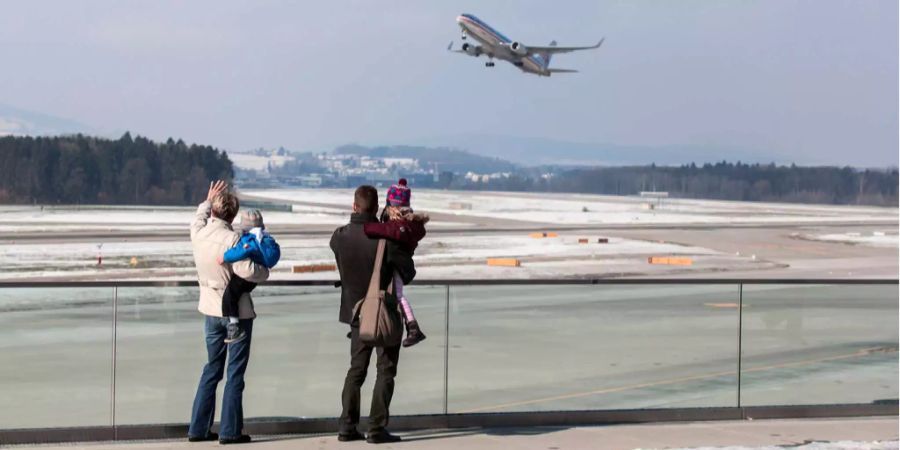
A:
(258, 245)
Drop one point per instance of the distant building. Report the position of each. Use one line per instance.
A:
(310, 180)
(333, 170)
(445, 179)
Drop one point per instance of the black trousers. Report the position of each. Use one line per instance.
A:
(236, 288)
(360, 355)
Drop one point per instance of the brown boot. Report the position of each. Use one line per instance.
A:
(413, 334)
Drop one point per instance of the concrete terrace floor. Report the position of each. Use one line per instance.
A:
(818, 434)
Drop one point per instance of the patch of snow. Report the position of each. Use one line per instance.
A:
(256, 162)
(146, 218)
(584, 209)
(876, 239)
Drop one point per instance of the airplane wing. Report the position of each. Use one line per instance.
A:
(550, 50)
(552, 70)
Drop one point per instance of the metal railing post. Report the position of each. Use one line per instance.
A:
(740, 335)
(112, 378)
(446, 346)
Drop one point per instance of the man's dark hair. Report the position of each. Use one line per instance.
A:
(366, 199)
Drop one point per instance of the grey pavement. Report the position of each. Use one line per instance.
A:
(870, 433)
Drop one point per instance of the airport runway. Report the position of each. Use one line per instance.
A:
(745, 251)
(800, 258)
(510, 348)
(488, 225)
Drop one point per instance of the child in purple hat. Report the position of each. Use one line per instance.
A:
(400, 224)
(399, 194)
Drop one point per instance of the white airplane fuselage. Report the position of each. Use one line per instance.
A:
(495, 45)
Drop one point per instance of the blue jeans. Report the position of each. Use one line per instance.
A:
(238, 354)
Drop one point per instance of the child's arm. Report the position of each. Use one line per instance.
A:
(384, 230)
(236, 253)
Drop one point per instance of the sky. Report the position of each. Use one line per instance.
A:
(813, 81)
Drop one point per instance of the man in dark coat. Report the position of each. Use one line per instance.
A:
(355, 255)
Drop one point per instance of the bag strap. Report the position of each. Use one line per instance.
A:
(375, 281)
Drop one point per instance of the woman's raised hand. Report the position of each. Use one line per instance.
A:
(216, 188)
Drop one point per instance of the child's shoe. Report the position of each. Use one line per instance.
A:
(413, 334)
(235, 333)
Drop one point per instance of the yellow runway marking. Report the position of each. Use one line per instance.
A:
(862, 352)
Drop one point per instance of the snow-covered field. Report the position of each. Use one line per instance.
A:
(89, 218)
(583, 209)
(32, 219)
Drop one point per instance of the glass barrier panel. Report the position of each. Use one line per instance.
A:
(56, 369)
(815, 344)
(299, 355)
(592, 347)
(159, 354)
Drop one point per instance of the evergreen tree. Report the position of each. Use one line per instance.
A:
(129, 170)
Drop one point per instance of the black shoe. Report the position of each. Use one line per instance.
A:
(209, 437)
(382, 437)
(235, 333)
(350, 436)
(242, 439)
(413, 334)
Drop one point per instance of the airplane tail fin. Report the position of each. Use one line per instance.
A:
(546, 56)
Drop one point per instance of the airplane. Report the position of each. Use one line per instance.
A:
(493, 44)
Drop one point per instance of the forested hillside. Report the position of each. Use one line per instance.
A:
(725, 181)
(82, 169)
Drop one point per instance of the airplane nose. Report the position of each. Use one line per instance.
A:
(459, 19)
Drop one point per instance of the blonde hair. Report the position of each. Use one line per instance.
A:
(225, 206)
(394, 212)
(405, 213)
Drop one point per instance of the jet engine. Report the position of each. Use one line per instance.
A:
(518, 49)
(471, 50)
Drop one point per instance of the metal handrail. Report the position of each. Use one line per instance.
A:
(476, 282)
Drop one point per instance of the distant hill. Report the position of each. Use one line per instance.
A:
(447, 159)
(530, 151)
(19, 122)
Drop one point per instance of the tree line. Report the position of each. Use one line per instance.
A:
(723, 181)
(80, 169)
